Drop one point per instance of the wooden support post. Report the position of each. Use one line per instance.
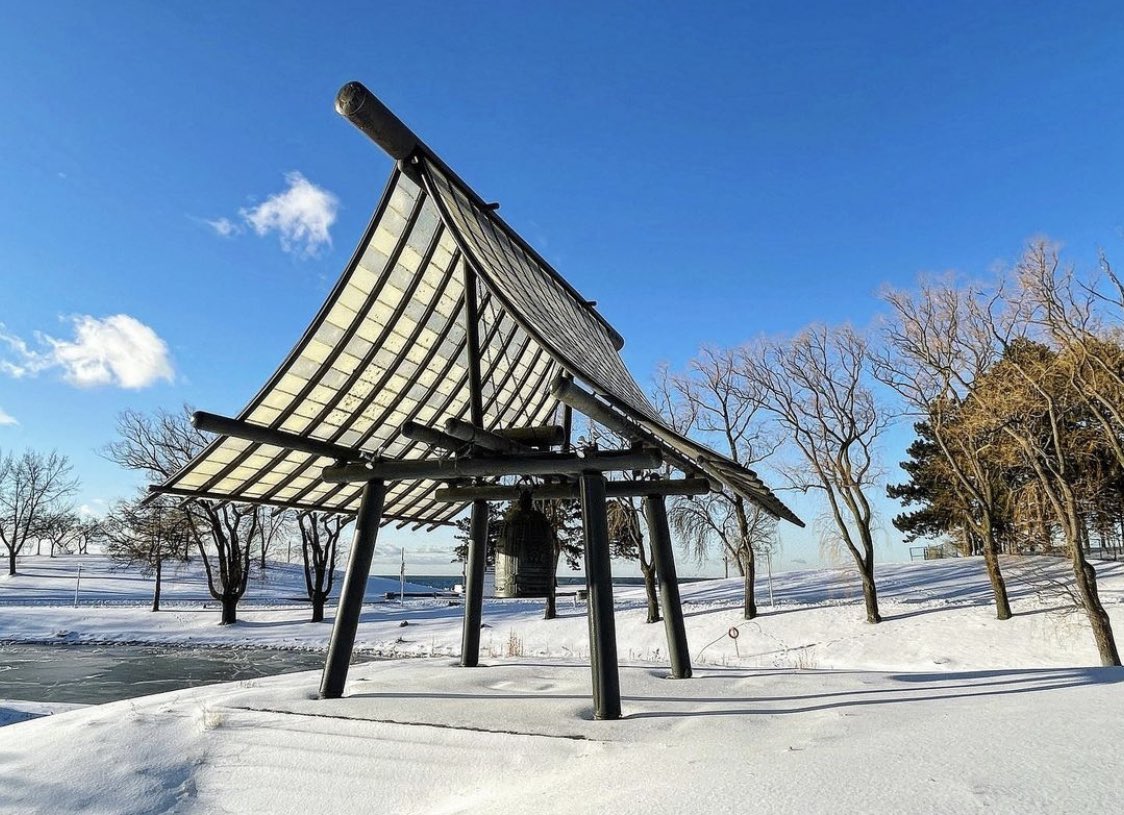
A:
(478, 540)
(474, 585)
(663, 558)
(354, 587)
(599, 583)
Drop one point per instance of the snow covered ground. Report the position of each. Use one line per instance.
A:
(423, 736)
(939, 709)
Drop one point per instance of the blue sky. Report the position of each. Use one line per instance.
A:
(706, 173)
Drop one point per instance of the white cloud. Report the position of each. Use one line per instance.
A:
(7, 419)
(94, 509)
(302, 216)
(118, 350)
(224, 227)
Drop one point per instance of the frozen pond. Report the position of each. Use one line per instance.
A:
(91, 674)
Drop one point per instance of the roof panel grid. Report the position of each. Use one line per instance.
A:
(389, 345)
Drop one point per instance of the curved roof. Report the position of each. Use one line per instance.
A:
(389, 345)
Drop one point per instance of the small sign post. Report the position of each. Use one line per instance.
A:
(402, 579)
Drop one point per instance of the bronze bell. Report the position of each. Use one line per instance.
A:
(526, 552)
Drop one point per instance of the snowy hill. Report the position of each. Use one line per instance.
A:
(938, 617)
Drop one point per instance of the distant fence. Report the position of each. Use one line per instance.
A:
(168, 603)
(939, 552)
(935, 552)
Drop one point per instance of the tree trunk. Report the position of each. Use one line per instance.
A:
(749, 602)
(229, 610)
(745, 559)
(11, 562)
(1086, 578)
(318, 598)
(156, 588)
(870, 594)
(650, 591)
(998, 585)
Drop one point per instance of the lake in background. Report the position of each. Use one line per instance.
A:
(92, 674)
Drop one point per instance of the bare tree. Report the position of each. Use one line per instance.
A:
(159, 445)
(818, 387)
(34, 490)
(147, 535)
(936, 349)
(564, 518)
(86, 532)
(715, 400)
(627, 541)
(700, 521)
(320, 537)
(67, 532)
(274, 526)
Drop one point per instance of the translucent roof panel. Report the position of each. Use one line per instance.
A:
(388, 346)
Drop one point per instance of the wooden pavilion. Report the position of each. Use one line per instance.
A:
(448, 356)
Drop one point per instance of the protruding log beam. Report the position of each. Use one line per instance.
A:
(239, 429)
(547, 435)
(542, 492)
(586, 403)
(364, 110)
(428, 435)
(478, 436)
(354, 587)
(445, 469)
(663, 558)
(599, 602)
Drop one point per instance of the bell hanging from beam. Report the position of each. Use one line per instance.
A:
(526, 552)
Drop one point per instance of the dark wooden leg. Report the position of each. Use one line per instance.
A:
(599, 581)
(354, 587)
(663, 558)
(474, 585)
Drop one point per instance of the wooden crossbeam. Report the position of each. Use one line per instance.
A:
(445, 469)
(540, 492)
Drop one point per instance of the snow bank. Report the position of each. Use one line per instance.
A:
(512, 737)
